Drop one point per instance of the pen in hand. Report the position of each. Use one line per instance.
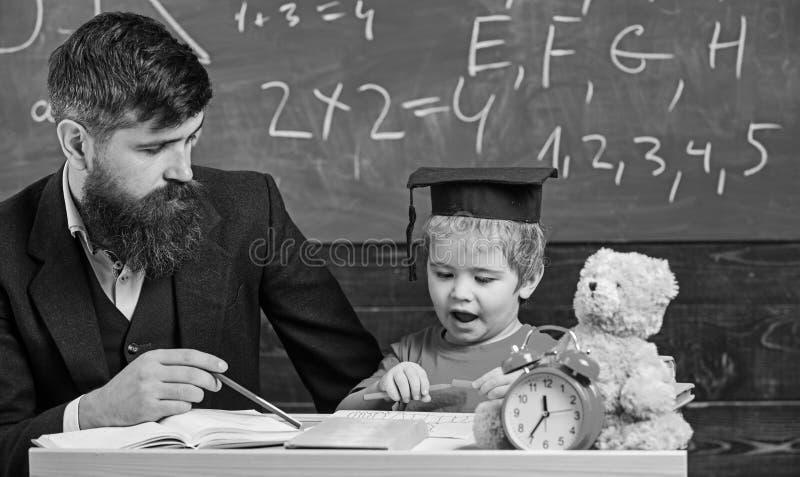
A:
(257, 399)
(456, 383)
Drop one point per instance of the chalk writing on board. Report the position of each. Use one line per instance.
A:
(165, 15)
(626, 58)
(202, 54)
(758, 145)
(328, 12)
(37, 28)
(40, 111)
(648, 109)
(551, 145)
(617, 53)
(676, 96)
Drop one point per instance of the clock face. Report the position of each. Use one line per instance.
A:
(544, 411)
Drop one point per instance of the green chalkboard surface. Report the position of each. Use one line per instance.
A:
(669, 120)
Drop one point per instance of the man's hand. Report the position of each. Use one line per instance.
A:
(158, 383)
(494, 384)
(406, 381)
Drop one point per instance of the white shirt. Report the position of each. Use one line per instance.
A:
(119, 283)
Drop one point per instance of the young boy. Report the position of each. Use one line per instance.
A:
(485, 256)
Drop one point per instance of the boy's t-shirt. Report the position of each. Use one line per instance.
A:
(443, 362)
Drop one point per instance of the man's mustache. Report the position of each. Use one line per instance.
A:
(172, 196)
(174, 190)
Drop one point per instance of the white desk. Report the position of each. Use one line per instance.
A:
(428, 459)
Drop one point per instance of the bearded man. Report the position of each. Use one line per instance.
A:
(126, 278)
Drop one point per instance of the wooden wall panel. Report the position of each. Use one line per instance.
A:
(729, 352)
(707, 273)
(736, 438)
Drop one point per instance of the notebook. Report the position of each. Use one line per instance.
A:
(352, 433)
(198, 428)
(447, 425)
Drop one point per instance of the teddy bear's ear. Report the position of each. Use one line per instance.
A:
(602, 252)
(666, 277)
(600, 255)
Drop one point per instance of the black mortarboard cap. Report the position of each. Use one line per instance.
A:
(505, 193)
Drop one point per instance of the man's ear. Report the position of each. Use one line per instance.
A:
(528, 286)
(75, 143)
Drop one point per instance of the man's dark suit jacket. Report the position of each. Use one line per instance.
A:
(50, 345)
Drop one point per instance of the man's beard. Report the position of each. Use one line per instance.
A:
(154, 234)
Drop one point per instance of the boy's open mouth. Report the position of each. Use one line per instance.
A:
(463, 316)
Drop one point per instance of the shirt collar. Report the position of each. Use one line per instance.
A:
(74, 220)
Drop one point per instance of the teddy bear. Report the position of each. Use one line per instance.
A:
(619, 302)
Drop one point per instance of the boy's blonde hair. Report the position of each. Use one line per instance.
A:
(522, 243)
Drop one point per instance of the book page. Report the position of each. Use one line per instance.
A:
(457, 425)
(683, 394)
(147, 434)
(219, 428)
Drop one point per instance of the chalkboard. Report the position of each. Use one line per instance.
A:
(668, 119)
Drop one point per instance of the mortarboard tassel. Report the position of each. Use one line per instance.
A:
(412, 217)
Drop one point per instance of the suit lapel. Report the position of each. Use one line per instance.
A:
(60, 291)
(200, 291)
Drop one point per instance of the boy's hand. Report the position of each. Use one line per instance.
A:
(494, 384)
(406, 381)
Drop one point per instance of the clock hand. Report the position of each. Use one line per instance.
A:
(536, 426)
(561, 410)
(545, 415)
(545, 412)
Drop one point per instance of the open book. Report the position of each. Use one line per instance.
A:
(198, 428)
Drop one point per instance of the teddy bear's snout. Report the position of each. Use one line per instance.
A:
(592, 286)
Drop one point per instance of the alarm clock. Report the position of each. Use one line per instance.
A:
(552, 406)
